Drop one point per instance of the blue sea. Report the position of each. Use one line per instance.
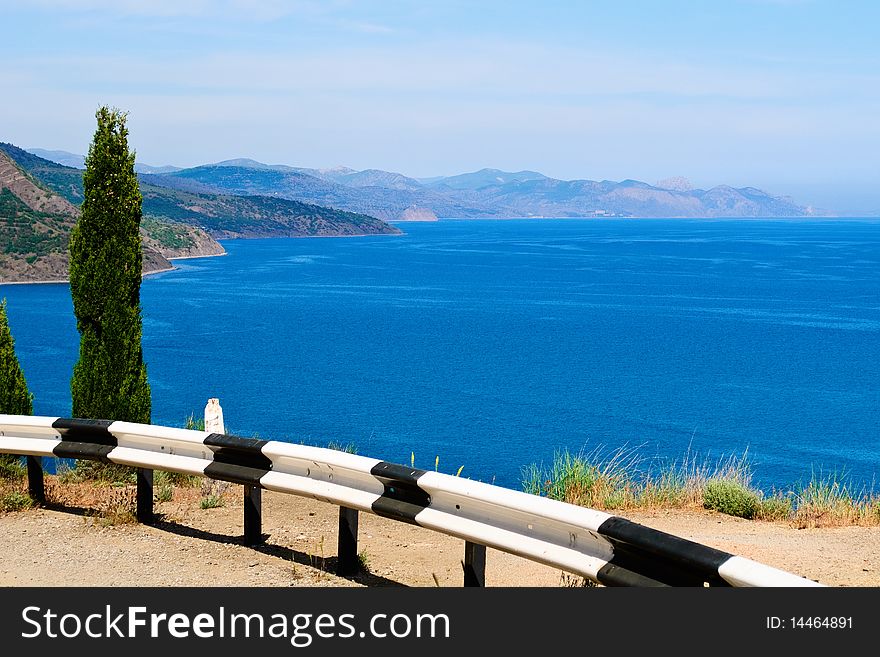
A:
(495, 344)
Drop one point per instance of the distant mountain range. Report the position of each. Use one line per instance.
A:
(79, 161)
(187, 209)
(485, 193)
(39, 202)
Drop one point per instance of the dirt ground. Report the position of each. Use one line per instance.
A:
(190, 546)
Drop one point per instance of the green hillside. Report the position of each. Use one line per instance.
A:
(225, 215)
(35, 225)
(64, 181)
(221, 215)
(30, 233)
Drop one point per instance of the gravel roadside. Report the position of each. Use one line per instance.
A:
(190, 546)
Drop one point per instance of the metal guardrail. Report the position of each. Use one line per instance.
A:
(601, 547)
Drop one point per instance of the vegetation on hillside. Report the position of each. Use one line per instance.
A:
(225, 215)
(64, 181)
(28, 232)
(222, 215)
(167, 235)
(35, 225)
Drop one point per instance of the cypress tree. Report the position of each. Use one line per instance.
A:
(110, 378)
(15, 399)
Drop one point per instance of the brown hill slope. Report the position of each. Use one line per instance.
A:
(35, 225)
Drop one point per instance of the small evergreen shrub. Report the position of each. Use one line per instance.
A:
(15, 399)
(730, 497)
(211, 502)
(15, 501)
(775, 508)
(164, 492)
(11, 467)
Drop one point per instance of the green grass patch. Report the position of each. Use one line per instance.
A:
(776, 507)
(194, 423)
(15, 501)
(829, 500)
(349, 448)
(617, 480)
(164, 483)
(11, 467)
(730, 497)
(211, 502)
(180, 479)
(98, 472)
(595, 479)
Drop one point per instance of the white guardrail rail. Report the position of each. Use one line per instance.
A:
(601, 547)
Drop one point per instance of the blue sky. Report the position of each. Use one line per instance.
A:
(778, 94)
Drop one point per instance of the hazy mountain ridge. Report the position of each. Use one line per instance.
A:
(485, 178)
(293, 184)
(489, 193)
(79, 161)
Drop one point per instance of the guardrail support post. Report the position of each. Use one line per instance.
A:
(474, 564)
(347, 562)
(145, 496)
(35, 479)
(253, 515)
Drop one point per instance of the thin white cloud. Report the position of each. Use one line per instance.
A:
(155, 8)
(462, 70)
(365, 27)
(782, 3)
(429, 106)
(249, 10)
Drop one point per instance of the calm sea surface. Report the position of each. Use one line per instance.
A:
(492, 344)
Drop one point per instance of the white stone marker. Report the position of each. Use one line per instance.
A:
(214, 416)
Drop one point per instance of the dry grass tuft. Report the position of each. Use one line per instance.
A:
(617, 481)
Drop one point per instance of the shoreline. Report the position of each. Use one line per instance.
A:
(65, 281)
(306, 237)
(158, 271)
(465, 219)
(55, 282)
(209, 255)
